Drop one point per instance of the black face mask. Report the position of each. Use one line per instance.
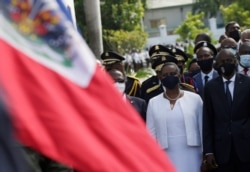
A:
(170, 81)
(218, 70)
(227, 69)
(235, 35)
(206, 65)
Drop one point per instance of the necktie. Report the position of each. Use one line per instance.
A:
(228, 94)
(206, 79)
(245, 71)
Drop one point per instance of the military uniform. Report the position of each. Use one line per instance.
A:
(158, 56)
(112, 60)
(133, 87)
(187, 83)
(151, 88)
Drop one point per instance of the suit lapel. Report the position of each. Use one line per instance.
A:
(215, 74)
(237, 88)
(221, 94)
(199, 84)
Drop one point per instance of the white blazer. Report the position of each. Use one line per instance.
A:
(191, 106)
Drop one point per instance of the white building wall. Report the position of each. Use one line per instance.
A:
(173, 16)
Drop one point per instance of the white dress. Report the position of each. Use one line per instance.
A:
(185, 158)
(178, 130)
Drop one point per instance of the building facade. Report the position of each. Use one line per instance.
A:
(162, 17)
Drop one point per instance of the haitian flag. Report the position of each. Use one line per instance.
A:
(62, 103)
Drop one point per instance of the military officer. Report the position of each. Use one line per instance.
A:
(152, 86)
(113, 60)
(182, 58)
(158, 56)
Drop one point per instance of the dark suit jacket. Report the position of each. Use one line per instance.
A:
(199, 84)
(139, 105)
(11, 159)
(223, 129)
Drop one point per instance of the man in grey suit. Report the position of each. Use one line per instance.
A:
(226, 117)
(205, 53)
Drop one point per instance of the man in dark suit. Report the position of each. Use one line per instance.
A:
(138, 103)
(11, 159)
(205, 53)
(226, 114)
(113, 60)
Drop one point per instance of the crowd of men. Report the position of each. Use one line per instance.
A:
(228, 62)
(135, 60)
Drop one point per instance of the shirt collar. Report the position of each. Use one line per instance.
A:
(210, 74)
(231, 79)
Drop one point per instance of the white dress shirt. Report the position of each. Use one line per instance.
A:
(210, 75)
(231, 85)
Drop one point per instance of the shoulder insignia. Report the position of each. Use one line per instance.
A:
(149, 90)
(187, 86)
(132, 77)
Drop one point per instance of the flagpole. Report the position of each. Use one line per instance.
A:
(94, 26)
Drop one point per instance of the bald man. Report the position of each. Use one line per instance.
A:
(226, 121)
(229, 43)
(245, 35)
(244, 58)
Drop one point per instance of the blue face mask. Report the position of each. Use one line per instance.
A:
(170, 82)
(245, 60)
(232, 50)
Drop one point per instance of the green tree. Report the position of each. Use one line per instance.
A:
(118, 16)
(189, 28)
(80, 17)
(122, 14)
(128, 15)
(121, 40)
(209, 7)
(123, 17)
(238, 12)
(192, 26)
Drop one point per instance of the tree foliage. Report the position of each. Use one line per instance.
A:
(189, 28)
(118, 17)
(192, 26)
(121, 21)
(122, 14)
(209, 7)
(238, 12)
(121, 40)
(80, 17)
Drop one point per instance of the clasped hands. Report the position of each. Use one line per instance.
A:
(210, 162)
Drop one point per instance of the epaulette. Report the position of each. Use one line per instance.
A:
(187, 86)
(149, 80)
(132, 77)
(149, 90)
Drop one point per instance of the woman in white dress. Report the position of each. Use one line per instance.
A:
(174, 118)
